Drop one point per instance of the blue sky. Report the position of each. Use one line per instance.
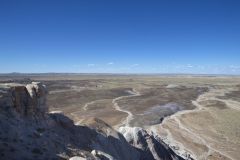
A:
(106, 36)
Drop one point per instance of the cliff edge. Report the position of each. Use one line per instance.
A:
(28, 131)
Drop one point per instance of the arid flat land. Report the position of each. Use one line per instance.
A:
(197, 114)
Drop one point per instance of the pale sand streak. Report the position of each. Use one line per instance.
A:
(85, 108)
(211, 95)
(87, 104)
(116, 106)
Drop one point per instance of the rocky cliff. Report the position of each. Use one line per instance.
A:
(149, 145)
(29, 100)
(28, 131)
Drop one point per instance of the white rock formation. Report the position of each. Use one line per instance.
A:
(151, 146)
(77, 158)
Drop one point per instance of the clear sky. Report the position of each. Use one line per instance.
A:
(120, 36)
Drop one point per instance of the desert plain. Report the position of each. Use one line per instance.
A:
(194, 114)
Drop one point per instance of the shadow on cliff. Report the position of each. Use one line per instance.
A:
(110, 143)
(28, 131)
(98, 136)
(56, 137)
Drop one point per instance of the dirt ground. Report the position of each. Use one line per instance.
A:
(197, 114)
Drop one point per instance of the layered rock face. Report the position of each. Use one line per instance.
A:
(28, 131)
(150, 146)
(26, 100)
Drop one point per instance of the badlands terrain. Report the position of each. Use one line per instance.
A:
(196, 117)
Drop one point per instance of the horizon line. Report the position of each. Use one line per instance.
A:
(106, 73)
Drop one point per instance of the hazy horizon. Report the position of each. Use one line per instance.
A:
(120, 74)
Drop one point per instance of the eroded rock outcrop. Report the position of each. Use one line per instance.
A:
(29, 100)
(28, 131)
(149, 145)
